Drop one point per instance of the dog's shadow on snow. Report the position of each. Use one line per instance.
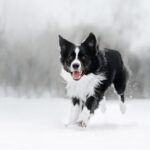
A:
(105, 127)
(111, 126)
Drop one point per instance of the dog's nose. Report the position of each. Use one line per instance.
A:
(75, 66)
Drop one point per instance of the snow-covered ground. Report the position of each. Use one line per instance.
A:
(38, 124)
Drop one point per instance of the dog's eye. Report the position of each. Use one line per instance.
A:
(83, 57)
(70, 58)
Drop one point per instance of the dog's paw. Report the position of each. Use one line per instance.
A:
(82, 124)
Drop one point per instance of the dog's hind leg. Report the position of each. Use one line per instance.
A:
(120, 86)
(103, 105)
(122, 104)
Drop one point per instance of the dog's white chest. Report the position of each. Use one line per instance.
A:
(83, 87)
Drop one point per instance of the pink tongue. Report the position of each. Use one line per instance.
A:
(76, 75)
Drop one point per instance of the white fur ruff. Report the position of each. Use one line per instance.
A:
(83, 87)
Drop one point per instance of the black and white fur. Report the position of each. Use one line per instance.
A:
(96, 71)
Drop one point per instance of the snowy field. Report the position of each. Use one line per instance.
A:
(39, 124)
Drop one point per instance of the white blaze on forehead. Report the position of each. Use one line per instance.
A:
(76, 60)
(77, 52)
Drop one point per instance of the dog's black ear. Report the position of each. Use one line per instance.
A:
(90, 41)
(64, 44)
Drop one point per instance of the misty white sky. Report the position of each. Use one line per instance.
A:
(131, 18)
(30, 28)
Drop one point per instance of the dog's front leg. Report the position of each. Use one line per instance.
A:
(75, 111)
(88, 110)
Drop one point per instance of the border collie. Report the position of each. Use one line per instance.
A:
(88, 73)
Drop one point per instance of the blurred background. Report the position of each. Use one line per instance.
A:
(29, 50)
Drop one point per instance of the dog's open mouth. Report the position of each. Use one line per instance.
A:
(76, 75)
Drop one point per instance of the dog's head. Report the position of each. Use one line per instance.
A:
(78, 60)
